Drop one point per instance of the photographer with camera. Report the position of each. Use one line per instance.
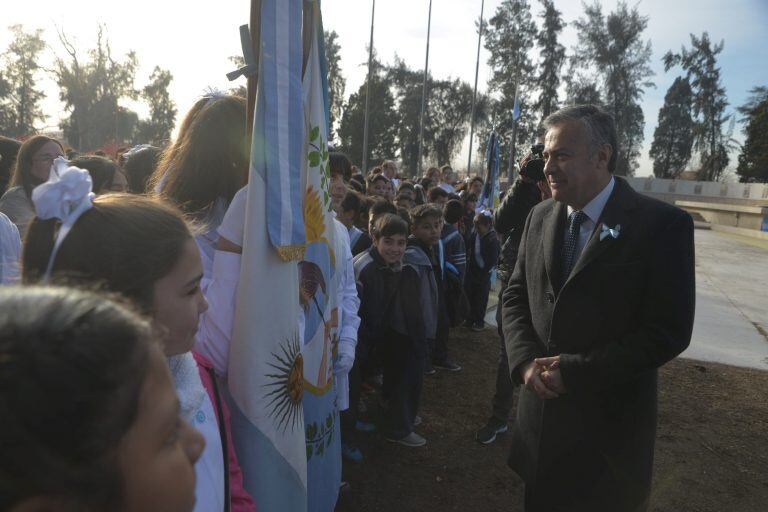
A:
(528, 190)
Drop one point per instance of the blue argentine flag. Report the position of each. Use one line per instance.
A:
(489, 197)
(516, 109)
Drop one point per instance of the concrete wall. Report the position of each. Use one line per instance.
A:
(747, 194)
(745, 217)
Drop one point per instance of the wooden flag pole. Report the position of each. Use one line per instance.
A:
(255, 25)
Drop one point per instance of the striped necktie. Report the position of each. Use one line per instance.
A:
(575, 219)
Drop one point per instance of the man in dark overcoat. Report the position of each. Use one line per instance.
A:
(602, 295)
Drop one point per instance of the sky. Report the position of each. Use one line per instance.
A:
(193, 39)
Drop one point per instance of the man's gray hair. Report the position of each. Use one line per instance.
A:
(598, 122)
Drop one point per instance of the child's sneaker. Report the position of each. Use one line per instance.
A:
(477, 327)
(363, 426)
(351, 453)
(417, 421)
(447, 365)
(412, 440)
(487, 434)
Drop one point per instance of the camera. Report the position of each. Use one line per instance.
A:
(534, 167)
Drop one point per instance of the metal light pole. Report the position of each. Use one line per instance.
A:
(368, 94)
(474, 94)
(424, 91)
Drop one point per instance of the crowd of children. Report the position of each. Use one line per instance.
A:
(93, 419)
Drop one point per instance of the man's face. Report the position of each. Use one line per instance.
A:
(574, 174)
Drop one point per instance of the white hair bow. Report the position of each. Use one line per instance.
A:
(66, 195)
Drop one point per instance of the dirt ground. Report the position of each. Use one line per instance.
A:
(711, 449)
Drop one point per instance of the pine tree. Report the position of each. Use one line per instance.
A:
(612, 48)
(552, 57)
(510, 39)
(6, 112)
(709, 103)
(21, 67)
(157, 129)
(753, 160)
(336, 81)
(673, 137)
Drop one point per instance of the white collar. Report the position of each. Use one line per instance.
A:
(595, 207)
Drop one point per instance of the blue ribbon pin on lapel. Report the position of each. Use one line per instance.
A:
(605, 231)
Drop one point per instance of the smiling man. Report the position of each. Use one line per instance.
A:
(601, 296)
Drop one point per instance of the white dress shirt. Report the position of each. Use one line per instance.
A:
(593, 211)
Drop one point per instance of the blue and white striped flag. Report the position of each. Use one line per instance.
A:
(319, 283)
(279, 133)
(489, 197)
(266, 364)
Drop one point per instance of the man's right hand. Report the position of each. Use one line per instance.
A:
(532, 377)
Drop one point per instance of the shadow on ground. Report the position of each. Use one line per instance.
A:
(711, 450)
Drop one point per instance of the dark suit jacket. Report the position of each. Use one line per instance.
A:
(626, 309)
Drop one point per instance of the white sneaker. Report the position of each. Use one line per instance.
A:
(412, 440)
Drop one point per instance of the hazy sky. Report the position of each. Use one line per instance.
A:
(193, 39)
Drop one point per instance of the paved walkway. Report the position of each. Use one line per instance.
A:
(731, 325)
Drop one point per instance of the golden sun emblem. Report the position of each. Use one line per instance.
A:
(286, 385)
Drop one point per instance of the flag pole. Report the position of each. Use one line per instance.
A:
(424, 92)
(368, 94)
(474, 94)
(512, 149)
(253, 80)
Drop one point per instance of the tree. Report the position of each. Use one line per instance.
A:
(580, 91)
(709, 103)
(552, 57)
(446, 118)
(673, 137)
(449, 113)
(91, 91)
(240, 90)
(753, 160)
(336, 81)
(612, 49)
(23, 99)
(406, 87)
(157, 130)
(6, 112)
(510, 39)
(382, 123)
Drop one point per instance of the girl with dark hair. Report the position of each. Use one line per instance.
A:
(206, 165)
(90, 417)
(143, 249)
(105, 174)
(138, 165)
(33, 165)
